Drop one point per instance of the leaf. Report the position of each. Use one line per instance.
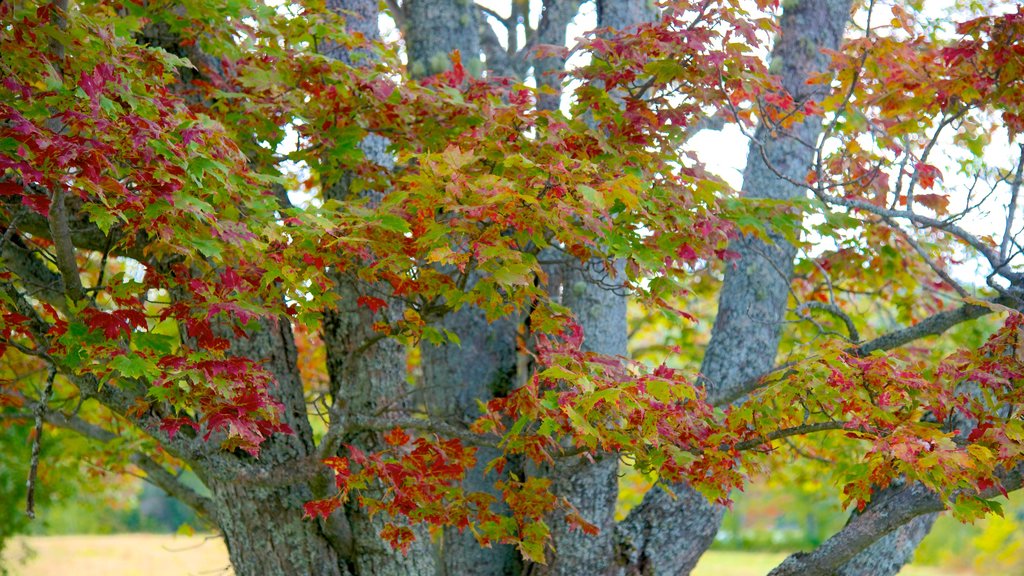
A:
(397, 437)
(591, 195)
(320, 508)
(393, 223)
(134, 366)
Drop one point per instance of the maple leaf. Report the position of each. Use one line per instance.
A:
(114, 324)
(374, 304)
(320, 508)
(397, 437)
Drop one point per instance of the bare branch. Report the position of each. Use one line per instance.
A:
(793, 431)
(172, 484)
(928, 260)
(991, 255)
(934, 325)
(834, 311)
(155, 473)
(1018, 179)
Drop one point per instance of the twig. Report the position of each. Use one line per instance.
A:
(37, 441)
(1014, 191)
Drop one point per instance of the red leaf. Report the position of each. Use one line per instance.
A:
(937, 202)
(397, 437)
(172, 425)
(38, 203)
(374, 304)
(112, 324)
(400, 537)
(926, 175)
(320, 508)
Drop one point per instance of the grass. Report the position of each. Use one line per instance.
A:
(163, 555)
(120, 555)
(719, 563)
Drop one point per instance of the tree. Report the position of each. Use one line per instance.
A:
(462, 262)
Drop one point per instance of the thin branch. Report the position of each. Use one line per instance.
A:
(1018, 179)
(793, 431)
(11, 226)
(934, 325)
(509, 23)
(927, 259)
(991, 255)
(834, 311)
(37, 442)
(927, 152)
(155, 473)
(172, 484)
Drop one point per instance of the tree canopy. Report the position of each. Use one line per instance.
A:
(382, 284)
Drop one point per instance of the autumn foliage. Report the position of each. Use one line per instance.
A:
(149, 235)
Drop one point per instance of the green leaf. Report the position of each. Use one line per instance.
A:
(393, 223)
(135, 366)
(157, 343)
(591, 195)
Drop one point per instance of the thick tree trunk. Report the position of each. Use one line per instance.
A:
(261, 516)
(266, 534)
(592, 486)
(436, 28)
(483, 365)
(600, 308)
(892, 552)
(367, 374)
(753, 299)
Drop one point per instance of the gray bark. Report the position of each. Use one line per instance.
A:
(367, 372)
(592, 486)
(436, 28)
(265, 533)
(456, 376)
(752, 302)
(242, 503)
(551, 30)
(892, 552)
(599, 306)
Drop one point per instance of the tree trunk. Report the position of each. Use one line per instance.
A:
(483, 365)
(600, 309)
(261, 517)
(591, 485)
(892, 552)
(752, 303)
(266, 534)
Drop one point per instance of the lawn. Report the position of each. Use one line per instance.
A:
(161, 555)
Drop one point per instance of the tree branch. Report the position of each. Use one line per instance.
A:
(934, 325)
(60, 234)
(37, 442)
(171, 484)
(896, 509)
(33, 273)
(155, 473)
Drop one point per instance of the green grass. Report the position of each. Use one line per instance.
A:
(164, 555)
(719, 563)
